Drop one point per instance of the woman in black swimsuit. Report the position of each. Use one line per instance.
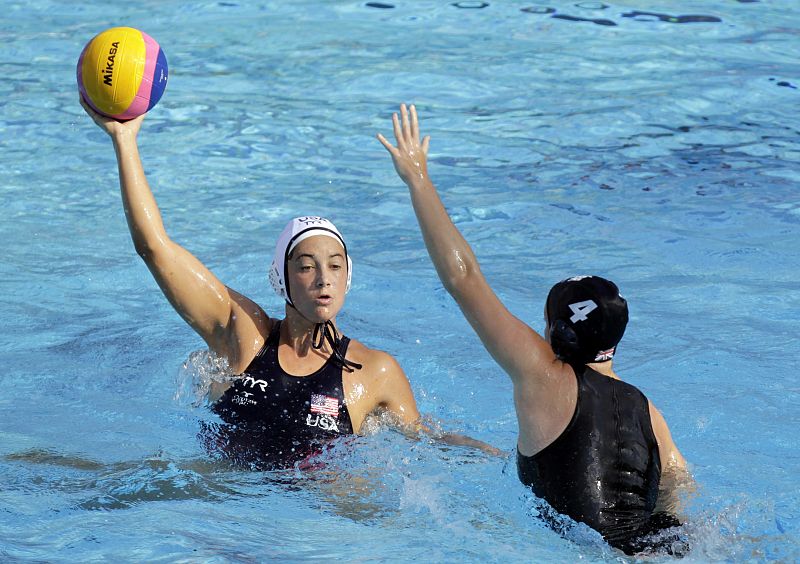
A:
(301, 382)
(591, 445)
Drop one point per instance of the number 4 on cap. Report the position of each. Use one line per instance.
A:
(581, 310)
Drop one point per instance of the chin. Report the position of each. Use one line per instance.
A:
(323, 314)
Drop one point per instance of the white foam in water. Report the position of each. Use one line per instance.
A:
(194, 379)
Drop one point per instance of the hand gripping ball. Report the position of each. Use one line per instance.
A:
(122, 73)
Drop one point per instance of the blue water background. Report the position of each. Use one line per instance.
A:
(568, 138)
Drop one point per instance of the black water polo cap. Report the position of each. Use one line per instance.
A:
(587, 318)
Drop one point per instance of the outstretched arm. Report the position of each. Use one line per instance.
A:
(384, 387)
(520, 351)
(222, 317)
(398, 399)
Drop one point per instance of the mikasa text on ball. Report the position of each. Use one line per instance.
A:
(122, 73)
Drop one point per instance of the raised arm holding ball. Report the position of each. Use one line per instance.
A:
(589, 444)
(300, 382)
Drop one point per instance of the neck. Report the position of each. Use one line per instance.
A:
(605, 368)
(297, 331)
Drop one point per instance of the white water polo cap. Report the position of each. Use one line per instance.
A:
(297, 230)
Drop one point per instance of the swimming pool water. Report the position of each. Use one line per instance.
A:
(568, 137)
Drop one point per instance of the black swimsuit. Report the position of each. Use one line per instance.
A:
(604, 468)
(273, 419)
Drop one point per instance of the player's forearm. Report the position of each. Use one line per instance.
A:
(455, 439)
(451, 254)
(675, 488)
(141, 210)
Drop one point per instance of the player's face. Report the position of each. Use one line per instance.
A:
(317, 270)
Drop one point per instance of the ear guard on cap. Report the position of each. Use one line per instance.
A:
(564, 340)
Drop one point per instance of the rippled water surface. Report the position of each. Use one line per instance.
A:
(655, 143)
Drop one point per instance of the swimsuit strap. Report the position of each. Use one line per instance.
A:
(274, 335)
(327, 332)
(272, 339)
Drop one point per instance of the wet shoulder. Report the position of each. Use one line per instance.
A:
(375, 362)
(381, 384)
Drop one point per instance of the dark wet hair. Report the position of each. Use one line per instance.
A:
(587, 318)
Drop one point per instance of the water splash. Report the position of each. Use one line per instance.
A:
(196, 376)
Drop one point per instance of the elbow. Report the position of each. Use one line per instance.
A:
(142, 249)
(148, 247)
(461, 274)
(454, 283)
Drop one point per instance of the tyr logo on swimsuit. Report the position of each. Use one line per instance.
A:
(252, 382)
(243, 398)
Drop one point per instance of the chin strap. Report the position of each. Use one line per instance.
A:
(327, 332)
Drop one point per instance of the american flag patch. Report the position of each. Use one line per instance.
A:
(324, 404)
